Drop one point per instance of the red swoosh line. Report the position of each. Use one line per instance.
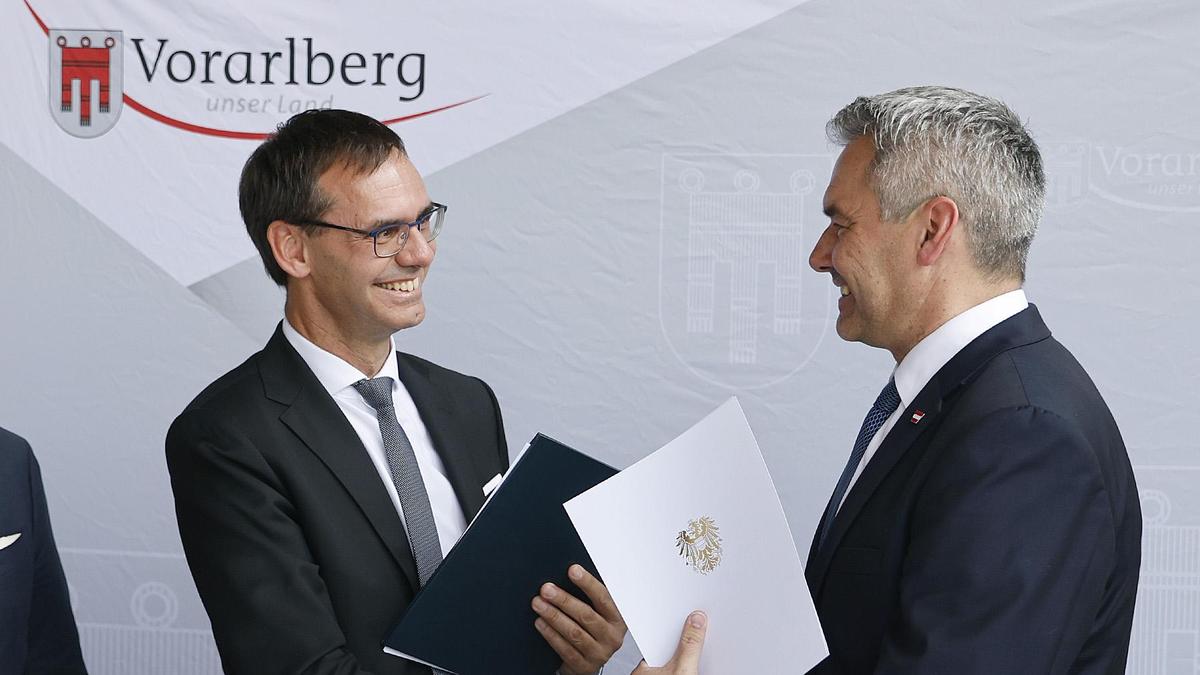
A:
(225, 133)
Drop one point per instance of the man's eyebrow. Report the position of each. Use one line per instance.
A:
(384, 222)
(831, 210)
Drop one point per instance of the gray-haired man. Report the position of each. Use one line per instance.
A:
(987, 520)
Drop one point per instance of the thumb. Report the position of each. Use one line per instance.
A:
(691, 641)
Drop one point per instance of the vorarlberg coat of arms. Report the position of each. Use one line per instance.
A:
(700, 545)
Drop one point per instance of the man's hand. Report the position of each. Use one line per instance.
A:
(687, 655)
(584, 636)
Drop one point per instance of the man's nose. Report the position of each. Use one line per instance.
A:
(821, 258)
(416, 251)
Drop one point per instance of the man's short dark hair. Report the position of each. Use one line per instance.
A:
(279, 181)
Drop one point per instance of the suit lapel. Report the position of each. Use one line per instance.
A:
(901, 437)
(316, 419)
(932, 402)
(447, 429)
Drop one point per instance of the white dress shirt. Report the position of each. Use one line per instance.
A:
(338, 378)
(920, 365)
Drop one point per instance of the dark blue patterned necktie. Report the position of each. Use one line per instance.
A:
(885, 405)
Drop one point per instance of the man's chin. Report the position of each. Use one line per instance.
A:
(410, 317)
(846, 329)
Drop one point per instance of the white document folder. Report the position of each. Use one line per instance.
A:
(698, 525)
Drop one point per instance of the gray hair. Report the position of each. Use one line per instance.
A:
(940, 141)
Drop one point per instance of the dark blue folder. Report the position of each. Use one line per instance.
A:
(474, 615)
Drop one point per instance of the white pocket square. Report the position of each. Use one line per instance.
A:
(8, 539)
(491, 484)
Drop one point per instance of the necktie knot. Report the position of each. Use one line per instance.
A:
(377, 392)
(888, 399)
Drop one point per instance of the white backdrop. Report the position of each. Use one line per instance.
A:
(599, 148)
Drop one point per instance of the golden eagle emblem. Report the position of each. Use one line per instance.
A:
(700, 545)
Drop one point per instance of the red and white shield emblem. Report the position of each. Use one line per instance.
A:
(85, 80)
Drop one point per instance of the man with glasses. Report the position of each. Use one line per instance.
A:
(319, 484)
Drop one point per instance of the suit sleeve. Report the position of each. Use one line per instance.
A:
(53, 636)
(270, 611)
(1009, 545)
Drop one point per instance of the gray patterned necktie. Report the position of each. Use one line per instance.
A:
(406, 476)
(885, 405)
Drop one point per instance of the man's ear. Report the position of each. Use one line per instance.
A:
(940, 222)
(290, 246)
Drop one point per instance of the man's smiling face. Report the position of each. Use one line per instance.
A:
(865, 256)
(369, 297)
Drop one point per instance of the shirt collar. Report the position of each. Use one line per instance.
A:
(933, 352)
(333, 372)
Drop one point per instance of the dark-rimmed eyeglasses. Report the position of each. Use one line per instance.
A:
(390, 238)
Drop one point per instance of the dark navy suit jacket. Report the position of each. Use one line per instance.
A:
(37, 629)
(999, 533)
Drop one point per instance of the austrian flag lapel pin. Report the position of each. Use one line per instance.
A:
(917, 416)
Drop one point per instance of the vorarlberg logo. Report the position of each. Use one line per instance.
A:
(286, 65)
(1153, 174)
(86, 78)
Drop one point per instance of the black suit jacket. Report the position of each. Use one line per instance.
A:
(37, 628)
(999, 534)
(296, 549)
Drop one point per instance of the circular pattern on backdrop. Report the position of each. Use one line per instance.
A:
(691, 180)
(1156, 507)
(154, 605)
(746, 181)
(802, 182)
